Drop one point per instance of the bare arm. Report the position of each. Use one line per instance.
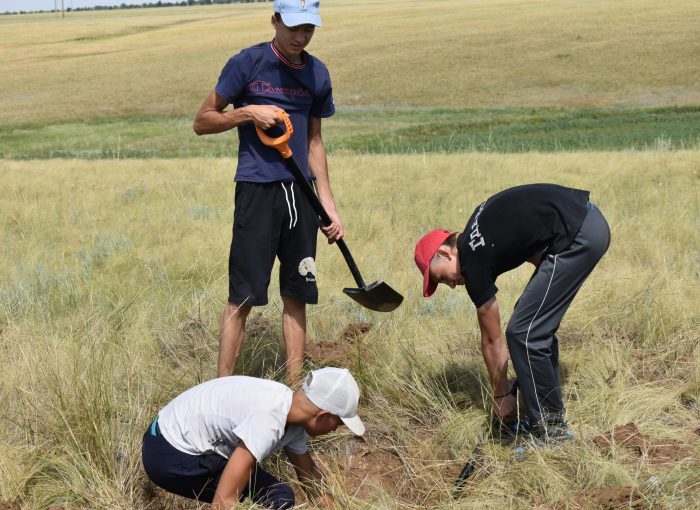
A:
(495, 352)
(234, 479)
(310, 477)
(213, 118)
(318, 164)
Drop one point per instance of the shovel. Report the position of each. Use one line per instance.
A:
(377, 296)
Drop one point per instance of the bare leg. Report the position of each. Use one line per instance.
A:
(294, 330)
(231, 337)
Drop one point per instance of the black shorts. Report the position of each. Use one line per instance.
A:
(271, 220)
(197, 476)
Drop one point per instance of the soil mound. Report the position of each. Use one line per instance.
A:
(611, 498)
(338, 352)
(628, 437)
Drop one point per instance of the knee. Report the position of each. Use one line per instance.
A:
(281, 497)
(514, 335)
(233, 309)
(293, 307)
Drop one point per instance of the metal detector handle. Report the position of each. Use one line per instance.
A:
(281, 145)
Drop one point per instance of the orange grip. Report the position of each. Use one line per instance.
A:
(279, 143)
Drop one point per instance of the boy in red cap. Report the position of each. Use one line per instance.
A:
(564, 236)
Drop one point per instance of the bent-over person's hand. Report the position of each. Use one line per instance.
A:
(505, 407)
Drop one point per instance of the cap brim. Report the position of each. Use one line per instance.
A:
(293, 19)
(354, 424)
(429, 286)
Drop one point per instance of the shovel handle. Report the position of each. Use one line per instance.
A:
(279, 143)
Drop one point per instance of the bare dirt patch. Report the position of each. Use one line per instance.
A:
(609, 498)
(383, 463)
(367, 468)
(628, 437)
(339, 351)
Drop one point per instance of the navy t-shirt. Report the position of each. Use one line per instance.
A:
(513, 226)
(260, 75)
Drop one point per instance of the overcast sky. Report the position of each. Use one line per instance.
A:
(48, 5)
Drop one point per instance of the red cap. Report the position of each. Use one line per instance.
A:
(426, 248)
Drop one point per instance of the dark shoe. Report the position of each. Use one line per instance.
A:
(507, 430)
(552, 432)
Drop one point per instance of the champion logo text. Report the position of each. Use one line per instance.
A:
(266, 88)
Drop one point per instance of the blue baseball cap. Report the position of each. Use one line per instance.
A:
(298, 12)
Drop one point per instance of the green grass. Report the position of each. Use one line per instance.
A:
(376, 131)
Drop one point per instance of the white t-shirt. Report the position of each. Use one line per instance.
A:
(215, 415)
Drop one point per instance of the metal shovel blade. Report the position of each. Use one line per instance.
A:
(377, 296)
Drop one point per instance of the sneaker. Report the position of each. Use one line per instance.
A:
(507, 430)
(552, 433)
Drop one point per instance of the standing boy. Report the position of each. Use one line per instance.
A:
(564, 236)
(207, 443)
(272, 217)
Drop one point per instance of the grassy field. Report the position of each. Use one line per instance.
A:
(594, 74)
(114, 275)
(115, 225)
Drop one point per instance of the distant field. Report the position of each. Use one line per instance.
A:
(581, 75)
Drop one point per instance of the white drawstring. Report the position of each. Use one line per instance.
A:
(293, 206)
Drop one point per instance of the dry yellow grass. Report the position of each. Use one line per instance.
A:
(451, 53)
(114, 275)
(114, 272)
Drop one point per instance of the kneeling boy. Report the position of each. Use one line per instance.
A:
(207, 443)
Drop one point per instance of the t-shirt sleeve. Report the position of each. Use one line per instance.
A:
(260, 432)
(234, 76)
(295, 440)
(480, 285)
(323, 105)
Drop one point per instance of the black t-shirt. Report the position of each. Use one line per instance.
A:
(513, 226)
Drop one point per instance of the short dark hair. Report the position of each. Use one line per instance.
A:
(451, 241)
(278, 16)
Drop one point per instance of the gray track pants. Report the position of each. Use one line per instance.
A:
(531, 331)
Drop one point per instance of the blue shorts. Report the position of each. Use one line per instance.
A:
(197, 476)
